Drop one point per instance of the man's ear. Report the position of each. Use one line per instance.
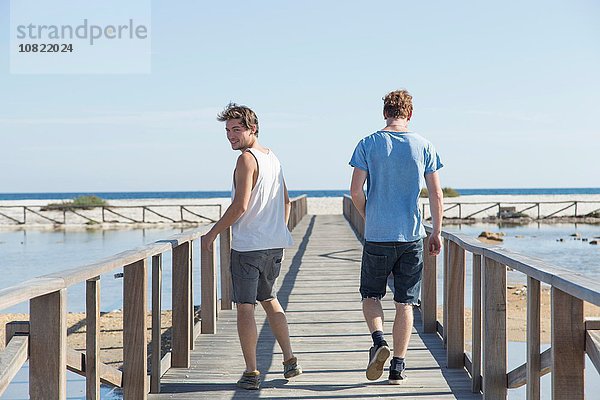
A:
(253, 129)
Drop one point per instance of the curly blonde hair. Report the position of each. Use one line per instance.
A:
(398, 104)
(236, 111)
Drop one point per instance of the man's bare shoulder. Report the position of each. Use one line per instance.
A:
(246, 161)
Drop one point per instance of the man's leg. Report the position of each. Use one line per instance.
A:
(246, 326)
(373, 313)
(403, 324)
(407, 284)
(278, 323)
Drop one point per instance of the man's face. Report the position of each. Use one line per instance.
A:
(238, 135)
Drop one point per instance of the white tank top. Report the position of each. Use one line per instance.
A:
(263, 226)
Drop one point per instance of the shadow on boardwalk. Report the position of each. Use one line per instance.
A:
(319, 289)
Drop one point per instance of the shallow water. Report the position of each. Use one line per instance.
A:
(543, 241)
(30, 253)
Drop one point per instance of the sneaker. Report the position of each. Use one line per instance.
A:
(291, 368)
(249, 381)
(378, 355)
(397, 374)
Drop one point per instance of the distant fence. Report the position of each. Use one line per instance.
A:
(143, 214)
(43, 339)
(572, 336)
(538, 210)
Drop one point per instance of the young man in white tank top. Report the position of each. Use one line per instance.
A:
(258, 215)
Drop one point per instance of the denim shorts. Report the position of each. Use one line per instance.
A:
(254, 274)
(402, 259)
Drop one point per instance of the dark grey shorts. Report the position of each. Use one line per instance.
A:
(254, 274)
(403, 259)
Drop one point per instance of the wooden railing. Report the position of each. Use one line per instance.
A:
(142, 214)
(43, 339)
(537, 210)
(571, 335)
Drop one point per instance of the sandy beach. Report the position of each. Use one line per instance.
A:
(132, 210)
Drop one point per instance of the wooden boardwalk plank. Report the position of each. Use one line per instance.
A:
(319, 289)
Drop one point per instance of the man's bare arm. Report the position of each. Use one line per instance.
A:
(287, 203)
(243, 177)
(436, 207)
(357, 192)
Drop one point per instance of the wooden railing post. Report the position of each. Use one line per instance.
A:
(494, 330)
(476, 325)
(156, 324)
(568, 346)
(134, 330)
(48, 346)
(181, 303)
(192, 314)
(92, 338)
(445, 291)
(534, 360)
(226, 285)
(455, 325)
(208, 288)
(429, 290)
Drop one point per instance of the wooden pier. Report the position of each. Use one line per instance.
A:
(319, 289)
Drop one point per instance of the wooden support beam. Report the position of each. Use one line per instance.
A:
(518, 376)
(445, 291)
(192, 314)
(92, 337)
(181, 302)
(226, 285)
(568, 346)
(155, 363)
(592, 323)
(494, 329)
(48, 346)
(592, 347)
(16, 328)
(429, 290)
(455, 325)
(476, 325)
(76, 363)
(208, 289)
(12, 359)
(534, 361)
(134, 330)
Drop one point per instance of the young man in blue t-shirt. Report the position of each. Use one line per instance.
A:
(394, 161)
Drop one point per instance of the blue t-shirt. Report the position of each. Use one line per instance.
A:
(396, 163)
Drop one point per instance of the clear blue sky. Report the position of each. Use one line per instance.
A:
(507, 92)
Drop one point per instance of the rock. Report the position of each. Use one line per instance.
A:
(492, 236)
(584, 239)
(575, 235)
(560, 240)
(593, 242)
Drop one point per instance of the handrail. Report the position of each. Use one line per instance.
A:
(49, 356)
(80, 212)
(572, 336)
(492, 204)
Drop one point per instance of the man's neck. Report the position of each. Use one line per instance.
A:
(256, 146)
(396, 125)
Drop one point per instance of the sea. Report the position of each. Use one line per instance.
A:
(27, 253)
(293, 193)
